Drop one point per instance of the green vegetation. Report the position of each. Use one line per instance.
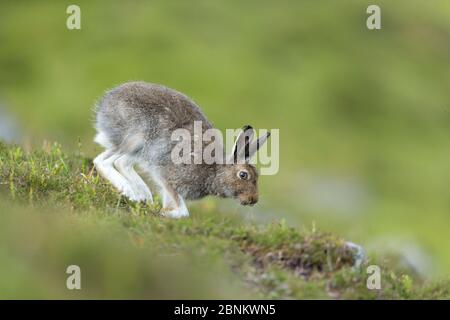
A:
(364, 140)
(56, 211)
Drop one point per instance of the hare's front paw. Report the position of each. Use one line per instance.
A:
(175, 212)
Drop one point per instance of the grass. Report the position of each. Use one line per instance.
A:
(350, 103)
(56, 211)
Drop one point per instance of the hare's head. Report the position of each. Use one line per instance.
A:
(238, 179)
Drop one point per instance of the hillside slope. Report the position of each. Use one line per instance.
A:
(56, 212)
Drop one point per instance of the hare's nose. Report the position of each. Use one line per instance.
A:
(250, 200)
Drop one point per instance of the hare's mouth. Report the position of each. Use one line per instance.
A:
(251, 201)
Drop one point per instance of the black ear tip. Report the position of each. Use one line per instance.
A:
(247, 127)
(268, 134)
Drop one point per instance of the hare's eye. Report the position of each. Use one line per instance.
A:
(243, 175)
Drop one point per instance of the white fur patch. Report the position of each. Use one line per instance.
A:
(103, 140)
(124, 164)
(104, 165)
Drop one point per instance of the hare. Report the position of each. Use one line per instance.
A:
(135, 122)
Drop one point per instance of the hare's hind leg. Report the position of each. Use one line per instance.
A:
(173, 203)
(104, 163)
(125, 165)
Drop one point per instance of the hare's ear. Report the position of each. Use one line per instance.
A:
(255, 145)
(241, 146)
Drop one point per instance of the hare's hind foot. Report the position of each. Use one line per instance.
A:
(125, 165)
(118, 169)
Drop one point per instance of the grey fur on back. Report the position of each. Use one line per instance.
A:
(138, 118)
(145, 109)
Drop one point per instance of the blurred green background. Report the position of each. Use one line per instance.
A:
(364, 116)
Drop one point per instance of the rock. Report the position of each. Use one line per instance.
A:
(359, 255)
